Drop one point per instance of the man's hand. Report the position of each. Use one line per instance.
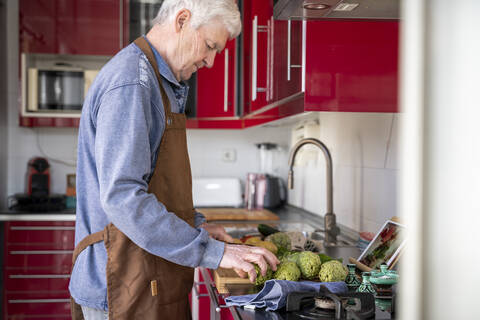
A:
(217, 232)
(240, 258)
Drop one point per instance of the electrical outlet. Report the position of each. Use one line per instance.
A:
(229, 155)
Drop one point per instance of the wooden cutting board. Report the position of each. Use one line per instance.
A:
(212, 214)
(227, 276)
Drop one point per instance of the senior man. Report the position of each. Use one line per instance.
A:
(138, 236)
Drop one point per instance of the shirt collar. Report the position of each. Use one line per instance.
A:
(163, 68)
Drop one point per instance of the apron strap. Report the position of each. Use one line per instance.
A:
(87, 241)
(147, 50)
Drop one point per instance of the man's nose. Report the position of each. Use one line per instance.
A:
(209, 59)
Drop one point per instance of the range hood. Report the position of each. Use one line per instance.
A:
(336, 9)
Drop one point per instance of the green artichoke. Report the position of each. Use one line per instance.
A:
(291, 256)
(287, 270)
(309, 264)
(281, 240)
(332, 271)
(260, 280)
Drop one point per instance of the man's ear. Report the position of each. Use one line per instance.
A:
(183, 16)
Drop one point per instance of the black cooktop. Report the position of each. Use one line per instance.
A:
(306, 305)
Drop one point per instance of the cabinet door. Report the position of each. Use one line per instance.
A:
(352, 66)
(37, 261)
(216, 89)
(287, 65)
(71, 26)
(257, 50)
(89, 26)
(37, 26)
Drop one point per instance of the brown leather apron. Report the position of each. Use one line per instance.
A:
(141, 285)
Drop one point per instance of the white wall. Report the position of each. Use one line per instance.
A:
(364, 150)
(25, 143)
(206, 148)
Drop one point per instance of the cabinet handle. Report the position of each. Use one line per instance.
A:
(289, 49)
(39, 301)
(225, 92)
(199, 295)
(269, 67)
(304, 51)
(254, 58)
(289, 32)
(271, 55)
(39, 276)
(120, 29)
(255, 29)
(42, 252)
(42, 228)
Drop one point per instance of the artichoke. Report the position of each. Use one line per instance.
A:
(260, 280)
(281, 240)
(287, 270)
(309, 264)
(332, 271)
(291, 256)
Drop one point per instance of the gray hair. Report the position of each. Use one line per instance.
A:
(203, 11)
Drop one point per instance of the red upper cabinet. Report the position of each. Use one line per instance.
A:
(352, 66)
(287, 57)
(216, 86)
(93, 27)
(90, 26)
(257, 51)
(37, 26)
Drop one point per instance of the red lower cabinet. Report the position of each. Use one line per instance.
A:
(203, 307)
(37, 261)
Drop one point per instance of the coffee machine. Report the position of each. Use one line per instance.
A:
(38, 178)
(37, 196)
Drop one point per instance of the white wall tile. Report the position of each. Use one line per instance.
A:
(363, 148)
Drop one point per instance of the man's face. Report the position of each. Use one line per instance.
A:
(197, 48)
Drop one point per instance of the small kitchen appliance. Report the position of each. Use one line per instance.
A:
(38, 177)
(264, 189)
(217, 192)
(37, 197)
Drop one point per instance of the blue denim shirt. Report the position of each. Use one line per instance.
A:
(121, 127)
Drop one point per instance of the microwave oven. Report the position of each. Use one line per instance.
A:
(55, 85)
(57, 89)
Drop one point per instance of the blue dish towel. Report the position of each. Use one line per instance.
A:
(274, 294)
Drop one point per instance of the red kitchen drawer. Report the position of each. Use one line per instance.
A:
(40, 236)
(57, 261)
(36, 282)
(42, 308)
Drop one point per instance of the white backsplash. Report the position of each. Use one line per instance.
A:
(206, 148)
(363, 148)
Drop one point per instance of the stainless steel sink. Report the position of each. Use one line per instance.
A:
(341, 241)
(240, 229)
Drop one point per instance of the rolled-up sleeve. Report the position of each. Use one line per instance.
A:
(123, 161)
(199, 219)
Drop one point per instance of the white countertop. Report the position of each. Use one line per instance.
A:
(38, 217)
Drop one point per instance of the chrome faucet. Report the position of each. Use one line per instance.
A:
(331, 229)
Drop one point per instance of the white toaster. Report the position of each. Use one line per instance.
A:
(217, 192)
